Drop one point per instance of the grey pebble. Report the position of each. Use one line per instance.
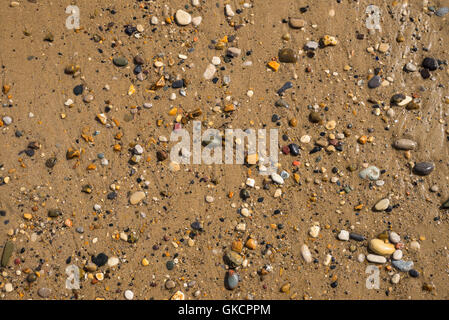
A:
(423, 168)
(404, 266)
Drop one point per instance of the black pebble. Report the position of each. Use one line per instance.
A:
(100, 260)
(78, 90)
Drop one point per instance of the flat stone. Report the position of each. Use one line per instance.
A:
(231, 280)
(410, 67)
(210, 72)
(120, 61)
(397, 255)
(394, 237)
(113, 261)
(376, 259)
(405, 144)
(311, 45)
(228, 11)
(382, 205)
(372, 173)
(183, 18)
(7, 253)
(297, 23)
(197, 21)
(374, 82)
(404, 266)
(277, 178)
(136, 197)
(233, 259)
(233, 52)
(343, 235)
(396, 278)
(423, 168)
(44, 292)
(287, 55)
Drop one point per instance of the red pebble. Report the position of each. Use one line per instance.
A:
(285, 149)
(17, 261)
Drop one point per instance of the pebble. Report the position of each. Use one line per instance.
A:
(297, 23)
(372, 173)
(9, 287)
(233, 52)
(423, 168)
(404, 266)
(311, 45)
(129, 295)
(233, 259)
(183, 18)
(7, 120)
(430, 63)
(314, 231)
(441, 12)
(120, 61)
(397, 255)
(210, 72)
(44, 292)
(277, 178)
(382, 205)
(394, 237)
(374, 82)
(305, 253)
(7, 253)
(396, 278)
(113, 261)
(287, 56)
(216, 61)
(343, 235)
(196, 21)
(228, 11)
(380, 247)
(414, 245)
(170, 284)
(136, 197)
(410, 67)
(231, 280)
(376, 259)
(405, 144)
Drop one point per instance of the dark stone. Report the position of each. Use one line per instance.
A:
(244, 194)
(231, 280)
(374, 82)
(294, 149)
(100, 260)
(287, 56)
(54, 213)
(78, 90)
(423, 168)
(430, 64)
(425, 73)
(139, 60)
(51, 162)
(177, 84)
(356, 237)
(413, 273)
(286, 86)
(170, 265)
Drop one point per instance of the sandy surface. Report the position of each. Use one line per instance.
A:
(329, 82)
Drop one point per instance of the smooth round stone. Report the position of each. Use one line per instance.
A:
(441, 12)
(423, 168)
(170, 265)
(382, 205)
(139, 60)
(120, 61)
(287, 55)
(183, 18)
(380, 247)
(372, 173)
(361, 258)
(410, 67)
(277, 178)
(113, 261)
(430, 64)
(413, 273)
(129, 295)
(231, 280)
(375, 82)
(376, 259)
(296, 23)
(394, 237)
(397, 255)
(197, 21)
(136, 197)
(7, 120)
(405, 144)
(44, 292)
(78, 90)
(414, 245)
(404, 266)
(396, 278)
(343, 235)
(209, 72)
(170, 284)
